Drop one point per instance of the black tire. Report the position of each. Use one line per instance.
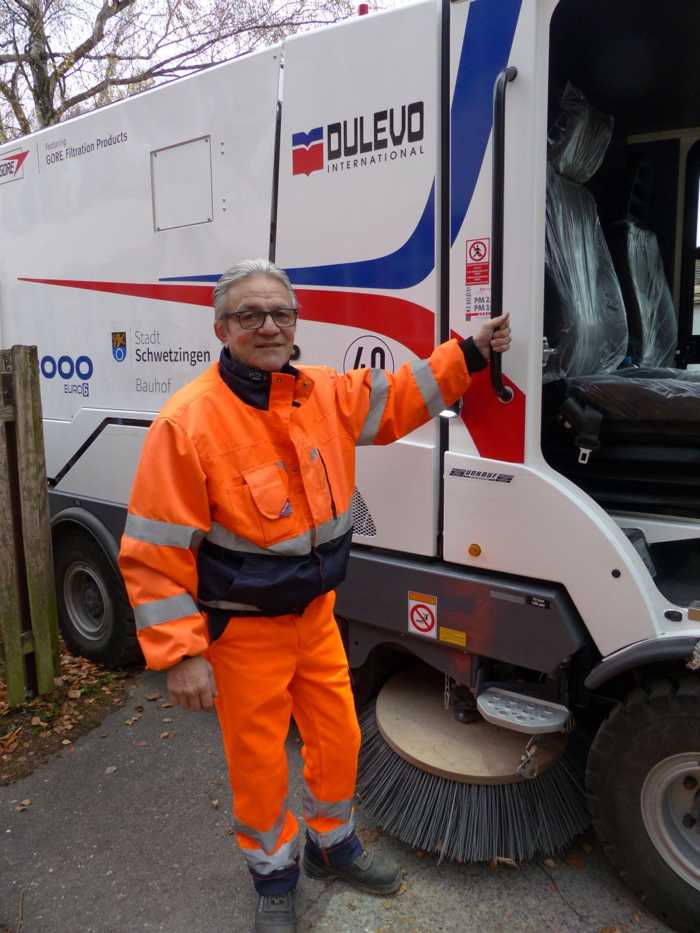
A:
(93, 610)
(642, 777)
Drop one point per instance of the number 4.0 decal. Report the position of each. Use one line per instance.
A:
(368, 352)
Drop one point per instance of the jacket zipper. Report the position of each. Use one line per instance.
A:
(328, 483)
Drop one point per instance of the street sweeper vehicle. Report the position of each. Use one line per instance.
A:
(523, 598)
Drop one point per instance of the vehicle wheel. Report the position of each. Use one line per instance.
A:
(94, 614)
(643, 781)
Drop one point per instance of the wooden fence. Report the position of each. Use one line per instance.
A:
(28, 618)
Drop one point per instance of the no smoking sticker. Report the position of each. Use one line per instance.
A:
(477, 294)
(422, 615)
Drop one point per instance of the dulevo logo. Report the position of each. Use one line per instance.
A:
(307, 151)
(384, 136)
(119, 345)
(11, 166)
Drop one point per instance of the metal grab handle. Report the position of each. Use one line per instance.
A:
(504, 393)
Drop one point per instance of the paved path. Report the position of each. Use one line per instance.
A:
(124, 834)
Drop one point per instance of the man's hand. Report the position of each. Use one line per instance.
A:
(494, 335)
(191, 684)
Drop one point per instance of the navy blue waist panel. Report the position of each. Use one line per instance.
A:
(275, 585)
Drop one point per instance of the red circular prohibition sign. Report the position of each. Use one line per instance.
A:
(422, 617)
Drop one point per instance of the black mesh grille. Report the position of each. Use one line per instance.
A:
(361, 517)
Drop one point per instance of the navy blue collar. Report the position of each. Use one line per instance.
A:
(251, 385)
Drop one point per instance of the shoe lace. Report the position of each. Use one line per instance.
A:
(275, 902)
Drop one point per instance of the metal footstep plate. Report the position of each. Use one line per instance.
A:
(521, 713)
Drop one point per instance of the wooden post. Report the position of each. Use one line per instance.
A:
(34, 506)
(10, 611)
(28, 612)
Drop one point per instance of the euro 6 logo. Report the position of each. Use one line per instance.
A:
(69, 369)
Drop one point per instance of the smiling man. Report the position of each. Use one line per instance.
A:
(239, 530)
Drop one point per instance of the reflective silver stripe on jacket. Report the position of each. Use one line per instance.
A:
(429, 387)
(268, 838)
(377, 403)
(165, 610)
(297, 546)
(234, 607)
(168, 534)
(263, 864)
(335, 810)
(333, 836)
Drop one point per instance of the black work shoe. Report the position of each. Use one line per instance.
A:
(276, 913)
(370, 872)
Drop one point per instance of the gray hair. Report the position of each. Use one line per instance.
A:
(243, 270)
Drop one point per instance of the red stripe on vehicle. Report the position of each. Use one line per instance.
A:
(498, 430)
(186, 294)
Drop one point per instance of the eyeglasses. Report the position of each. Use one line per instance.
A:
(254, 318)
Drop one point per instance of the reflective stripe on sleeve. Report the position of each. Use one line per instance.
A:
(167, 534)
(379, 394)
(165, 610)
(429, 387)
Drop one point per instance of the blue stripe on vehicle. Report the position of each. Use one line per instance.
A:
(485, 52)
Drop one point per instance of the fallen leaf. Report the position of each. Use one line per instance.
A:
(66, 742)
(142, 744)
(153, 696)
(111, 769)
(58, 681)
(165, 706)
(138, 709)
(502, 860)
(75, 694)
(167, 735)
(215, 804)
(419, 853)
(26, 802)
(167, 719)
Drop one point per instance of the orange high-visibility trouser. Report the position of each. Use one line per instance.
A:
(268, 669)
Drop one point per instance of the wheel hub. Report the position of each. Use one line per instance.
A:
(670, 803)
(87, 601)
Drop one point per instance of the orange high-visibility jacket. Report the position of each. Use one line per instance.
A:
(241, 504)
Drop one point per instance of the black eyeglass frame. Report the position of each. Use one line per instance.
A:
(258, 311)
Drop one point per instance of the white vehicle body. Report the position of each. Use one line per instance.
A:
(117, 223)
(359, 158)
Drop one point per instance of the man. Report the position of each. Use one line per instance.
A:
(238, 532)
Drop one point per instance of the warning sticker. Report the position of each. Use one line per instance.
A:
(422, 615)
(478, 278)
(453, 636)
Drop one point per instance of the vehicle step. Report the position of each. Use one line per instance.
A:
(520, 712)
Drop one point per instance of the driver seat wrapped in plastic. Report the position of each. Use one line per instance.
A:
(586, 321)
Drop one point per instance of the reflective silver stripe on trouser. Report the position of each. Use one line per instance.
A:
(334, 810)
(263, 864)
(379, 394)
(264, 861)
(297, 546)
(165, 610)
(429, 387)
(268, 838)
(333, 836)
(168, 534)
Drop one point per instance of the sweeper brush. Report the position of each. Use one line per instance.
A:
(456, 788)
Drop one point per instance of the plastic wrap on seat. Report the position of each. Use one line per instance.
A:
(584, 313)
(663, 401)
(579, 138)
(653, 327)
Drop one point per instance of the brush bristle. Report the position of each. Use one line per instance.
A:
(469, 822)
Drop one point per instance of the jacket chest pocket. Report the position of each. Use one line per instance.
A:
(266, 488)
